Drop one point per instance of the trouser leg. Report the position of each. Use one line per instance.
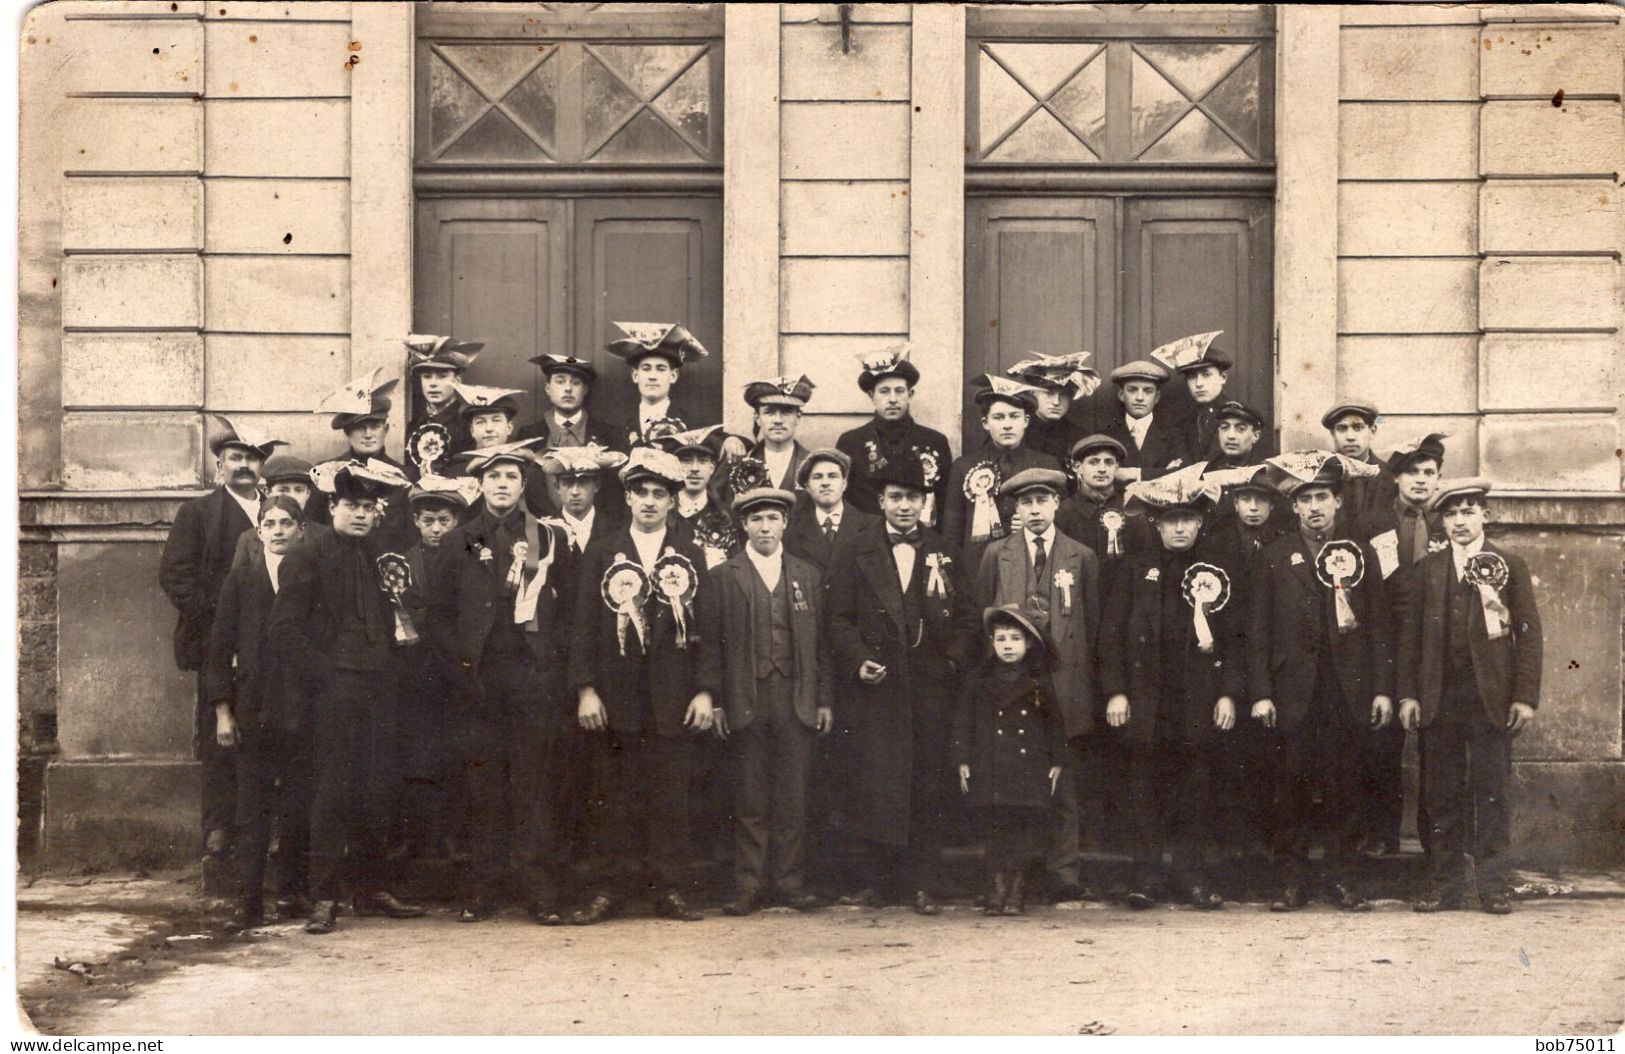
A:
(1187, 784)
(337, 776)
(1489, 778)
(218, 801)
(1064, 832)
(752, 803)
(294, 787)
(1140, 802)
(1290, 801)
(1383, 783)
(793, 744)
(611, 840)
(1444, 788)
(380, 784)
(256, 808)
(663, 802)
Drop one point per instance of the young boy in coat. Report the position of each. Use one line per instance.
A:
(1009, 745)
(1469, 668)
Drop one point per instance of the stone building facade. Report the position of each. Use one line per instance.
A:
(235, 206)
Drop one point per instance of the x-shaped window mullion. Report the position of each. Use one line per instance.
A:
(494, 101)
(1199, 102)
(1042, 102)
(647, 103)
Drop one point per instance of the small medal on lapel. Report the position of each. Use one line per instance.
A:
(798, 598)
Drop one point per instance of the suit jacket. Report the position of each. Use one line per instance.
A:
(1506, 669)
(449, 417)
(1074, 614)
(478, 593)
(1079, 518)
(604, 433)
(432, 605)
(595, 651)
(872, 444)
(610, 498)
(195, 561)
(728, 647)
(1164, 448)
(804, 539)
(958, 513)
(1135, 655)
(1284, 633)
(239, 667)
(1054, 438)
(798, 454)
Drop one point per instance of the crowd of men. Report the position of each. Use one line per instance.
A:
(549, 648)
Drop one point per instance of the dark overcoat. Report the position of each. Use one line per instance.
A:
(1010, 732)
(195, 561)
(238, 667)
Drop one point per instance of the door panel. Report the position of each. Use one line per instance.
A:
(650, 260)
(1042, 279)
(1198, 264)
(496, 271)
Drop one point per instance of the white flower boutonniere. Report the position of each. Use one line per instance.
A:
(1297, 558)
(1437, 545)
(1154, 574)
(1064, 582)
(485, 554)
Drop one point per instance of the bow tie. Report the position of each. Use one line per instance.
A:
(909, 537)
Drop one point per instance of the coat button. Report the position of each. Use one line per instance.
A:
(1001, 731)
(1023, 750)
(1021, 731)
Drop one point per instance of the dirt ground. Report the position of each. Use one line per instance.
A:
(1551, 968)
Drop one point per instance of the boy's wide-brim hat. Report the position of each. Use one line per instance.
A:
(782, 391)
(585, 460)
(1192, 353)
(552, 364)
(651, 463)
(1070, 374)
(1429, 446)
(1297, 469)
(1185, 489)
(441, 353)
(1005, 390)
(362, 399)
(822, 454)
(892, 362)
(370, 479)
(483, 399)
(757, 497)
(669, 340)
(518, 452)
(1012, 614)
(231, 433)
(1465, 487)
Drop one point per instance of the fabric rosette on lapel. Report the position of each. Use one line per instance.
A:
(395, 578)
(676, 582)
(1341, 566)
(1113, 522)
(625, 589)
(981, 484)
(930, 473)
(1206, 589)
(1488, 573)
(936, 583)
(427, 446)
(1064, 582)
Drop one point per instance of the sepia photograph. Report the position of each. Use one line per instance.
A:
(751, 519)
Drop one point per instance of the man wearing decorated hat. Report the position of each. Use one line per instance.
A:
(698, 510)
(1204, 369)
(1151, 441)
(1173, 670)
(633, 674)
(1060, 381)
(337, 621)
(1469, 682)
(778, 405)
(577, 474)
(1320, 670)
(360, 409)
(898, 613)
(435, 366)
(490, 413)
(655, 353)
(567, 422)
(892, 435)
(763, 648)
(1368, 499)
(976, 512)
(198, 555)
(824, 519)
(1054, 581)
(511, 581)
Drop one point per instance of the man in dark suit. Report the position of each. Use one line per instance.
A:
(568, 423)
(822, 520)
(897, 619)
(1054, 581)
(976, 511)
(634, 635)
(435, 365)
(763, 645)
(576, 474)
(197, 557)
(655, 353)
(252, 718)
(1367, 499)
(892, 435)
(1151, 441)
(511, 579)
(284, 475)
(1095, 515)
(1060, 380)
(778, 405)
(1469, 681)
(1320, 670)
(334, 629)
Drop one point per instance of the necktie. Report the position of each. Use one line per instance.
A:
(1038, 559)
(908, 537)
(829, 529)
(1419, 535)
(570, 437)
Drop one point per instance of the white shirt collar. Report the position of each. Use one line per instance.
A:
(564, 420)
(777, 463)
(1460, 554)
(831, 514)
(1138, 427)
(1048, 536)
(648, 545)
(647, 413)
(273, 565)
(249, 505)
(769, 567)
(580, 528)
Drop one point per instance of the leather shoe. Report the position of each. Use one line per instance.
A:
(925, 904)
(997, 896)
(477, 911)
(863, 898)
(746, 903)
(294, 907)
(323, 917)
(545, 912)
(1073, 891)
(1495, 902)
(801, 901)
(1203, 899)
(1347, 899)
(1378, 847)
(246, 917)
(673, 906)
(1439, 898)
(1291, 898)
(383, 902)
(1140, 899)
(598, 909)
(1016, 903)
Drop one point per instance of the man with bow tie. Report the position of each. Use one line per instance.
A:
(898, 623)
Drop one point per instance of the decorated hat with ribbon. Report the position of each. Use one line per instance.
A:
(669, 340)
(242, 435)
(588, 460)
(1192, 353)
(694, 441)
(440, 353)
(456, 492)
(552, 364)
(647, 462)
(1071, 374)
(362, 399)
(1429, 446)
(995, 388)
(356, 479)
(891, 362)
(518, 452)
(1292, 471)
(782, 391)
(1183, 489)
(1246, 479)
(483, 399)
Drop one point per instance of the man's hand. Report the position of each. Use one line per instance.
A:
(1264, 711)
(699, 714)
(871, 672)
(1382, 711)
(225, 726)
(1410, 714)
(734, 447)
(823, 723)
(1520, 717)
(1117, 710)
(964, 779)
(590, 710)
(719, 722)
(1224, 714)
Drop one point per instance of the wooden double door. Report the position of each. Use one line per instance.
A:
(535, 275)
(1117, 275)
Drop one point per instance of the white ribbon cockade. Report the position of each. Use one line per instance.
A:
(624, 589)
(936, 584)
(1488, 572)
(1112, 520)
(1064, 582)
(530, 589)
(676, 582)
(1341, 565)
(1207, 590)
(981, 483)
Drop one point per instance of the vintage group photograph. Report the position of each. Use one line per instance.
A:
(572, 519)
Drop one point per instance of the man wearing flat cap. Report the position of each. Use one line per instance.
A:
(892, 435)
(778, 405)
(336, 623)
(197, 557)
(567, 422)
(286, 476)
(633, 672)
(898, 613)
(511, 581)
(763, 646)
(1368, 499)
(1320, 670)
(1151, 441)
(976, 512)
(435, 365)
(1095, 515)
(1060, 381)
(1054, 581)
(823, 519)
(360, 409)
